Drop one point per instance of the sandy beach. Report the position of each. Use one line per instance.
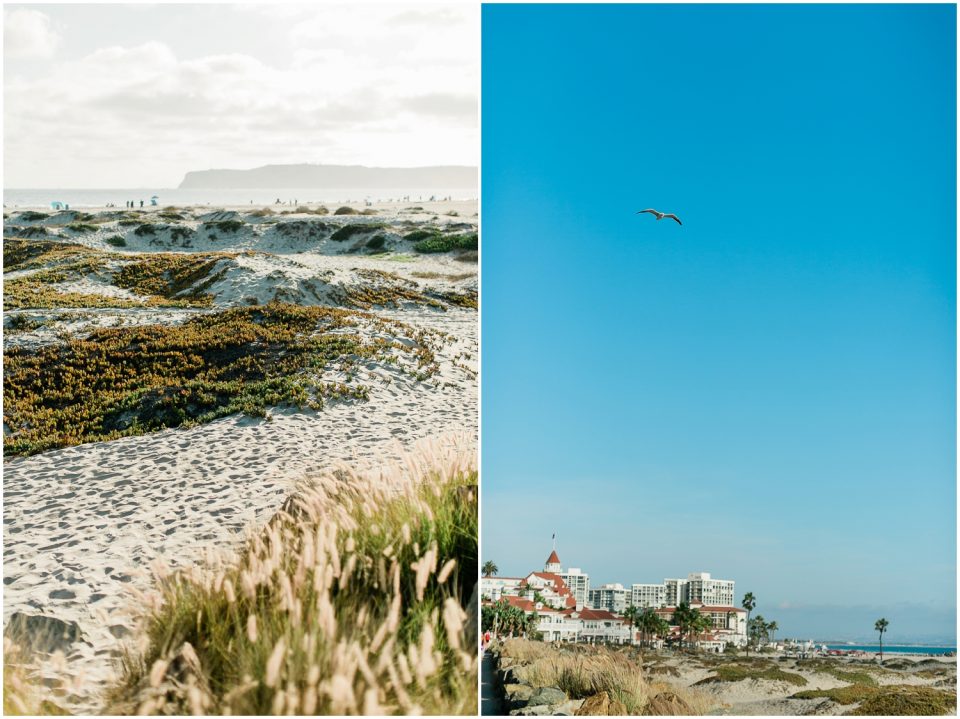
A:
(85, 524)
(534, 678)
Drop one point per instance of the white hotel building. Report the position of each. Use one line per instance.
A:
(570, 611)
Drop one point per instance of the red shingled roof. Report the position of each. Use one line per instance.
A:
(553, 558)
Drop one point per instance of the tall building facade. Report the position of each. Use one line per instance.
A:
(648, 595)
(610, 597)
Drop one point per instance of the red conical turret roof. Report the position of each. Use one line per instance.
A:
(553, 558)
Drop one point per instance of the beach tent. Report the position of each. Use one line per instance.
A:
(56, 205)
(153, 200)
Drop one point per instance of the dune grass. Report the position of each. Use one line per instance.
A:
(888, 700)
(734, 672)
(129, 381)
(583, 672)
(348, 602)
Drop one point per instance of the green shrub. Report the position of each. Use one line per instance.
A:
(446, 243)
(418, 235)
(348, 231)
(376, 242)
(224, 225)
(344, 210)
(180, 232)
(81, 227)
(116, 241)
(31, 216)
(145, 229)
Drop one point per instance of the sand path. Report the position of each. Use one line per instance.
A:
(82, 525)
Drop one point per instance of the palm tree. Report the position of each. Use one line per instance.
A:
(749, 602)
(757, 629)
(661, 627)
(489, 569)
(650, 622)
(684, 617)
(632, 614)
(772, 626)
(881, 626)
(701, 623)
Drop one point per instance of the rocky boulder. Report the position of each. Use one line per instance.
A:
(39, 633)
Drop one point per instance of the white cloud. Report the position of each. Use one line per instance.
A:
(28, 34)
(385, 87)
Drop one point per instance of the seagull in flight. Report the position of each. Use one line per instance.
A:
(661, 215)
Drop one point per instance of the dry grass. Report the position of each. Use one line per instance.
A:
(22, 694)
(348, 603)
(581, 673)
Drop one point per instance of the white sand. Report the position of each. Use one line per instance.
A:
(83, 524)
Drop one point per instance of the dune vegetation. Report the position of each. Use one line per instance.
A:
(594, 672)
(350, 601)
(132, 380)
(888, 700)
(447, 243)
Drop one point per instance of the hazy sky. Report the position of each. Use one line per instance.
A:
(137, 95)
(768, 392)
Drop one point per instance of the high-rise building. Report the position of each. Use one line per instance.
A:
(699, 588)
(648, 595)
(578, 583)
(610, 597)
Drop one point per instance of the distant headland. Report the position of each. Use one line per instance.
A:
(333, 176)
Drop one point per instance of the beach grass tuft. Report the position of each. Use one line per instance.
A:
(583, 672)
(350, 601)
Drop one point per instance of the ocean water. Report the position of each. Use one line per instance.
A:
(892, 649)
(218, 198)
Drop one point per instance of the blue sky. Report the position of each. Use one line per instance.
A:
(768, 392)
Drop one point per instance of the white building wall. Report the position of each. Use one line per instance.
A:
(579, 585)
(648, 595)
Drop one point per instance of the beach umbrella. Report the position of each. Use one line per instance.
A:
(56, 205)
(153, 200)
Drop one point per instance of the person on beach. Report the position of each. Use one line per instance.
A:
(141, 204)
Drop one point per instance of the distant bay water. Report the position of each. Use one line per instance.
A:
(892, 649)
(224, 197)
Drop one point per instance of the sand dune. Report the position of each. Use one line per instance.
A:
(85, 524)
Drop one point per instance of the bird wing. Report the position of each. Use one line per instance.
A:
(652, 212)
(674, 217)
